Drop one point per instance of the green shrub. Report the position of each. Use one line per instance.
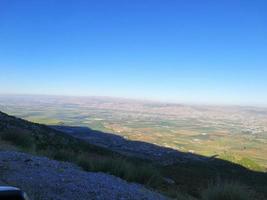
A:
(130, 171)
(180, 196)
(20, 139)
(227, 191)
(63, 155)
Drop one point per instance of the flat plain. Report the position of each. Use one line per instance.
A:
(234, 133)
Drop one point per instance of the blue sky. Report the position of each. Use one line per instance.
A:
(186, 51)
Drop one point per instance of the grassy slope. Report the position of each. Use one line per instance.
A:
(190, 178)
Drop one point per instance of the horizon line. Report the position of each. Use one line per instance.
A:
(175, 102)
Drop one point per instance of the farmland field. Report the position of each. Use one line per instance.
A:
(233, 133)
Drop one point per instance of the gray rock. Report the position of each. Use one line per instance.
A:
(45, 179)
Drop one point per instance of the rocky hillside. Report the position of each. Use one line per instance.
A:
(47, 179)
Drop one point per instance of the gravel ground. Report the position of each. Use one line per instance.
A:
(45, 179)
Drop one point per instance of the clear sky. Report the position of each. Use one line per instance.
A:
(170, 50)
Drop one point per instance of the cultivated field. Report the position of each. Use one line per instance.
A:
(234, 133)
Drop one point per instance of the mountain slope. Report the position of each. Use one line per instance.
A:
(46, 179)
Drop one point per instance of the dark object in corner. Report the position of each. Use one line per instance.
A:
(12, 193)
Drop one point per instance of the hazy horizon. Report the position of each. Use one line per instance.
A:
(133, 99)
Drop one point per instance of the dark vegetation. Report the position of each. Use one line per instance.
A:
(229, 191)
(189, 180)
